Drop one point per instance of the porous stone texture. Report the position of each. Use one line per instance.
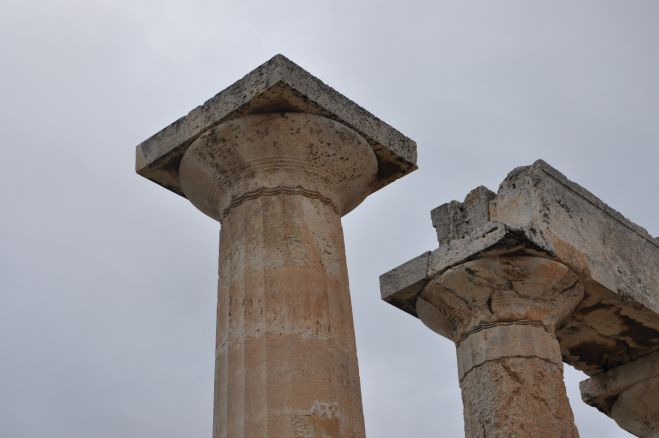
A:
(402, 285)
(538, 212)
(629, 394)
(264, 154)
(617, 260)
(278, 158)
(516, 397)
(454, 220)
(278, 85)
(502, 313)
(286, 356)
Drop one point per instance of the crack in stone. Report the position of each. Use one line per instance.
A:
(272, 191)
(512, 374)
(457, 295)
(487, 325)
(499, 359)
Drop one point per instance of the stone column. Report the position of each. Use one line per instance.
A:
(502, 313)
(278, 158)
(286, 358)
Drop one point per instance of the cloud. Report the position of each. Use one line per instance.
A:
(107, 299)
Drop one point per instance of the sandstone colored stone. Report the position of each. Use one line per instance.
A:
(401, 285)
(502, 313)
(455, 220)
(286, 356)
(278, 158)
(629, 394)
(279, 85)
(516, 397)
(537, 211)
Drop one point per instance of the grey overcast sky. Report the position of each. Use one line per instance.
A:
(107, 281)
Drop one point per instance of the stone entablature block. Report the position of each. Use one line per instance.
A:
(538, 211)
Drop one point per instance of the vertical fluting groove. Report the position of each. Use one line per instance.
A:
(222, 343)
(279, 184)
(264, 335)
(242, 334)
(295, 340)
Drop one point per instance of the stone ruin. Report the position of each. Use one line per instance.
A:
(538, 274)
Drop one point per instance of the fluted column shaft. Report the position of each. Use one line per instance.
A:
(502, 313)
(286, 358)
(286, 362)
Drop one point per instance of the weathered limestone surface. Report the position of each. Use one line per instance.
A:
(617, 259)
(516, 397)
(629, 394)
(286, 357)
(276, 86)
(539, 213)
(274, 162)
(502, 313)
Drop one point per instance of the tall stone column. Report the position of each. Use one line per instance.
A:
(502, 314)
(278, 158)
(286, 358)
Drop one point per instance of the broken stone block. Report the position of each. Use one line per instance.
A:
(455, 220)
(629, 394)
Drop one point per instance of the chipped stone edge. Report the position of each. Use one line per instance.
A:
(602, 390)
(584, 194)
(401, 285)
(392, 147)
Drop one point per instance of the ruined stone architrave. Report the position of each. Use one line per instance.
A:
(540, 273)
(278, 157)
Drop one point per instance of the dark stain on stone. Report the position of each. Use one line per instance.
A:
(640, 334)
(608, 403)
(590, 352)
(389, 170)
(489, 304)
(471, 272)
(594, 307)
(565, 207)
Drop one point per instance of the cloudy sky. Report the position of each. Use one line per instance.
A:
(107, 281)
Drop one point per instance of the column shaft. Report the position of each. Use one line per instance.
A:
(286, 363)
(515, 392)
(286, 358)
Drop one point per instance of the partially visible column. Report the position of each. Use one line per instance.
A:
(502, 313)
(629, 394)
(538, 213)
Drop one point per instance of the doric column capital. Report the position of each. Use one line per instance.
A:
(499, 291)
(266, 154)
(276, 99)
